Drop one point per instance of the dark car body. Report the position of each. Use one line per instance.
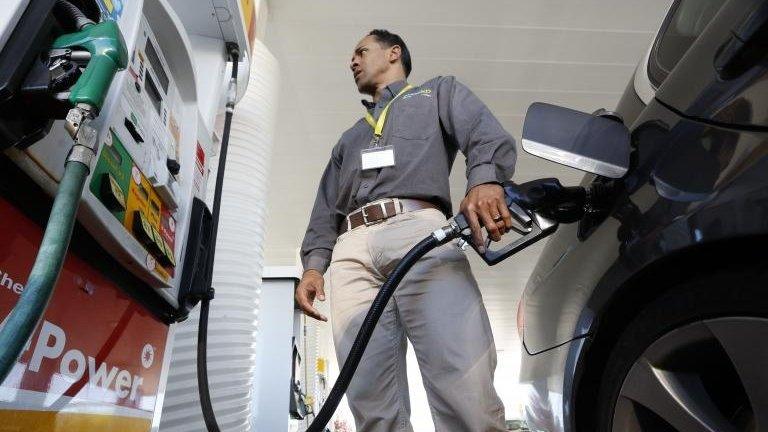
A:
(695, 199)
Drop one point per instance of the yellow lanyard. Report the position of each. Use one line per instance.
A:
(378, 125)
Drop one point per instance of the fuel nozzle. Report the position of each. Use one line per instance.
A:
(549, 198)
(106, 54)
(537, 207)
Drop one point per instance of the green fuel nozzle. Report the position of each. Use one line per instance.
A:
(105, 43)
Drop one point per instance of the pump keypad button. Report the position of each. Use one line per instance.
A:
(143, 230)
(111, 194)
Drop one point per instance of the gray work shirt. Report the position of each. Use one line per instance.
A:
(426, 125)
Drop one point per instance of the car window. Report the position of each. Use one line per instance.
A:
(685, 21)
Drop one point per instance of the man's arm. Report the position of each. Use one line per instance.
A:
(319, 239)
(490, 153)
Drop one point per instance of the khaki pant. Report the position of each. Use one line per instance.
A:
(437, 306)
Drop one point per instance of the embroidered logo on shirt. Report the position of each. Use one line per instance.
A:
(423, 92)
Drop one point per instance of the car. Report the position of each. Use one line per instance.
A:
(651, 312)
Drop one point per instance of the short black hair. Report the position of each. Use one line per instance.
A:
(389, 39)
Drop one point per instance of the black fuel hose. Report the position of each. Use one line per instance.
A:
(438, 238)
(209, 416)
(72, 15)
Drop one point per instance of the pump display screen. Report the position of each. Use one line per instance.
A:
(153, 93)
(157, 67)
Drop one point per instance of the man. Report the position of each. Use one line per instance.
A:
(385, 188)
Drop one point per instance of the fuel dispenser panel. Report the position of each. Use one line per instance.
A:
(135, 176)
(152, 150)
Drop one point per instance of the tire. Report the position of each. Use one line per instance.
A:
(695, 359)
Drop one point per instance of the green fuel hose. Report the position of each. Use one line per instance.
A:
(29, 310)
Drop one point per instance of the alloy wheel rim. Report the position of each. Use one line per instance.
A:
(707, 376)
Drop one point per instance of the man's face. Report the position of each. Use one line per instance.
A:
(370, 62)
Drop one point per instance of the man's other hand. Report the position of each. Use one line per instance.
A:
(485, 206)
(311, 286)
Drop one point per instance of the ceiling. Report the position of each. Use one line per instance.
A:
(576, 53)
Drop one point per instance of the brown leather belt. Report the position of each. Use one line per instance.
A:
(381, 210)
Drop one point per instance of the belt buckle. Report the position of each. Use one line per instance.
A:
(365, 214)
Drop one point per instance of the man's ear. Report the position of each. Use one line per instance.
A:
(395, 52)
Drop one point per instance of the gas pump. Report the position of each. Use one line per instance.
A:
(111, 107)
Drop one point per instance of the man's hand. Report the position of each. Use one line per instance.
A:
(485, 206)
(311, 286)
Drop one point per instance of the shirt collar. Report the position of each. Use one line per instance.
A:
(390, 91)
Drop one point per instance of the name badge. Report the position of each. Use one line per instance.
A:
(378, 157)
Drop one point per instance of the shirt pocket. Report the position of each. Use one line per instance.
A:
(416, 117)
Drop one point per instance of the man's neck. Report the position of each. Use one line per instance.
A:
(381, 88)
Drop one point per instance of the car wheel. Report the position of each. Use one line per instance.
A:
(694, 360)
